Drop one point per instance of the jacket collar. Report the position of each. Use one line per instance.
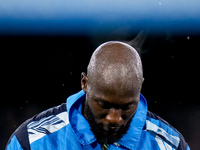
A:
(79, 124)
(81, 127)
(132, 137)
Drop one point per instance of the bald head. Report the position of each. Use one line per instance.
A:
(112, 89)
(115, 65)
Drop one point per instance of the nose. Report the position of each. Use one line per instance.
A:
(114, 116)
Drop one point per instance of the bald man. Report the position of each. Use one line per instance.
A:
(108, 113)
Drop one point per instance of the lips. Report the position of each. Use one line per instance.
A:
(114, 128)
(109, 128)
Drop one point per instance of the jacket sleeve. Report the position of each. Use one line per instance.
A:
(19, 139)
(14, 144)
(183, 145)
(188, 148)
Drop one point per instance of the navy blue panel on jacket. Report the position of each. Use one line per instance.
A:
(65, 128)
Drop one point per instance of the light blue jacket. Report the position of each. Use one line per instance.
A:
(64, 128)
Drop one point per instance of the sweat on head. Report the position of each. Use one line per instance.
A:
(117, 65)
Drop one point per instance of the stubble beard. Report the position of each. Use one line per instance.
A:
(102, 136)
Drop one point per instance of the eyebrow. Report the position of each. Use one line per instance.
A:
(114, 105)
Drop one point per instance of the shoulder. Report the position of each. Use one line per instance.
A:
(51, 112)
(164, 133)
(40, 125)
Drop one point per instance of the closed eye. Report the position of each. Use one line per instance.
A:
(104, 105)
(128, 106)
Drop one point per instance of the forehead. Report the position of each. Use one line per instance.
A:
(113, 96)
(115, 100)
(114, 89)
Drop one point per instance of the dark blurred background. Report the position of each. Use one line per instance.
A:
(40, 72)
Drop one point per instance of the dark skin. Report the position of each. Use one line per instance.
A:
(112, 89)
(109, 107)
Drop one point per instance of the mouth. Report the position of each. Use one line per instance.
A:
(114, 129)
(111, 129)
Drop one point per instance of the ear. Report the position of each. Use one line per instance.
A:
(142, 80)
(84, 81)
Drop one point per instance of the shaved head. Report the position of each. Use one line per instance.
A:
(112, 86)
(116, 65)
